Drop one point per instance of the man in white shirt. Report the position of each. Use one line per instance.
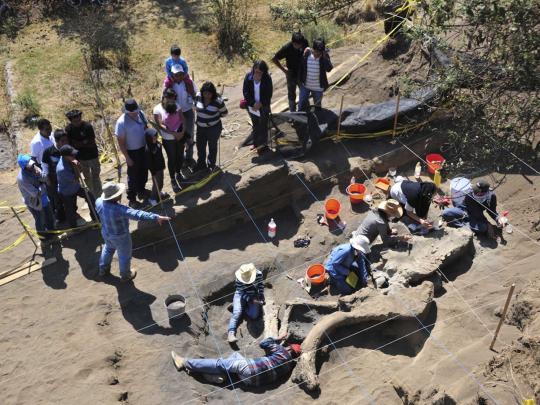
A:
(186, 89)
(42, 140)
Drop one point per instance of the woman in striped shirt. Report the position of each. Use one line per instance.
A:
(210, 108)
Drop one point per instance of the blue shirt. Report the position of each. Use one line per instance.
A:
(68, 183)
(169, 63)
(341, 259)
(274, 365)
(115, 217)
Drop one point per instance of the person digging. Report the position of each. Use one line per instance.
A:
(274, 365)
(248, 297)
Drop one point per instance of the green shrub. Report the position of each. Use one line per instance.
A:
(326, 30)
(28, 103)
(232, 25)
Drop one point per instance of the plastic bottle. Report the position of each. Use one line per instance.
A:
(417, 170)
(272, 229)
(353, 180)
(437, 178)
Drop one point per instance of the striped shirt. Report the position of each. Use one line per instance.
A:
(253, 290)
(313, 78)
(209, 115)
(272, 367)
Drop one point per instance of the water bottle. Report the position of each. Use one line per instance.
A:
(272, 229)
(417, 170)
(437, 178)
(353, 180)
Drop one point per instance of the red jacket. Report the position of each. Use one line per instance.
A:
(168, 83)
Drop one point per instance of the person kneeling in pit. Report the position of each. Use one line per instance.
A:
(348, 266)
(248, 297)
(376, 223)
(416, 199)
(275, 364)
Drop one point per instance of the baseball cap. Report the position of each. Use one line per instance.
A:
(131, 105)
(177, 69)
(73, 114)
(68, 150)
(481, 186)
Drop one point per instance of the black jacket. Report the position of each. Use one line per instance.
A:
(267, 89)
(154, 157)
(476, 210)
(325, 65)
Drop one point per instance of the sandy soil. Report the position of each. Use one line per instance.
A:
(71, 338)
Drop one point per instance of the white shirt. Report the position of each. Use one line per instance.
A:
(183, 99)
(38, 146)
(159, 110)
(257, 95)
(397, 194)
(313, 78)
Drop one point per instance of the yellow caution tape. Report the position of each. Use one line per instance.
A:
(14, 244)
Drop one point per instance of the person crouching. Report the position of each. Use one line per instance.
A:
(248, 297)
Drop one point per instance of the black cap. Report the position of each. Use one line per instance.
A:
(151, 132)
(131, 105)
(169, 92)
(481, 186)
(175, 50)
(73, 114)
(59, 133)
(68, 150)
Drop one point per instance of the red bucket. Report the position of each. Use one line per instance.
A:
(316, 274)
(434, 162)
(356, 192)
(332, 208)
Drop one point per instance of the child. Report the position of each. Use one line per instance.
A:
(175, 59)
(248, 297)
(155, 163)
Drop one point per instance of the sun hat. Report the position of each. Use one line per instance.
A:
(296, 348)
(177, 69)
(360, 242)
(481, 186)
(246, 273)
(112, 190)
(392, 208)
(68, 150)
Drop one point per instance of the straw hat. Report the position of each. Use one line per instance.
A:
(392, 208)
(360, 242)
(112, 190)
(246, 273)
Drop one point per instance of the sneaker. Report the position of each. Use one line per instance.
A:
(175, 186)
(164, 195)
(151, 201)
(131, 276)
(179, 362)
(104, 271)
(134, 204)
(231, 337)
(179, 177)
(199, 166)
(214, 379)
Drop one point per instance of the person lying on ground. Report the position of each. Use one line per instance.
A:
(257, 90)
(248, 298)
(170, 119)
(210, 109)
(50, 159)
(42, 140)
(175, 59)
(83, 138)
(416, 198)
(376, 223)
(481, 200)
(276, 364)
(32, 186)
(69, 186)
(348, 266)
(129, 131)
(115, 229)
(313, 80)
(186, 91)
(156, 165)
(292, 53)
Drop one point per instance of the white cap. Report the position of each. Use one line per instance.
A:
(177, 69)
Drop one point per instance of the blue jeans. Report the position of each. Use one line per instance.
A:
(303, 101)
(234, 365)
(43, 219)
(122, 244)
(240, 307)
(457, 217)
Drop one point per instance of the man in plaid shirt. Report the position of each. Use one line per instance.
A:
(277, 362)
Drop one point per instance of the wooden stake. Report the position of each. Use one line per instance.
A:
(339, 119)
(396, 115)
(86, 193)
(503, 316)
(24, 227)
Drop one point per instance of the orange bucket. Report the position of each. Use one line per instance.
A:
(316, 274)
(332, 207)
(434, 162)
(382, 183)
(356, 192)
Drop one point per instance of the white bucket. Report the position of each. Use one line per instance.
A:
(459, 188)
(175, 305)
